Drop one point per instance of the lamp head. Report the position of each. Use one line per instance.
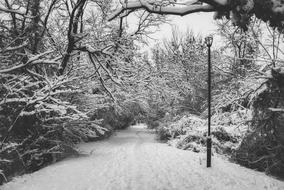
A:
(209, 41)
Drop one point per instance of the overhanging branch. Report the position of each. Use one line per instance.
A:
(152, 8)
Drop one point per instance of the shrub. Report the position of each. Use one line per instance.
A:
(262, 147)
(51, 143)
(189, 132)
(163, 133)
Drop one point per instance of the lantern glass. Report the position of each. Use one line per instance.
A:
(209, 41)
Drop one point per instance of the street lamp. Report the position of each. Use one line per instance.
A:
(208, 42)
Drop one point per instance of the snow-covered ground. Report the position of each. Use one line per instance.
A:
(133, 160)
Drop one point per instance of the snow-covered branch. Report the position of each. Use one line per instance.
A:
(14, 48)
(14, 11)
(35, 60)
(216, 2)
(159, 9)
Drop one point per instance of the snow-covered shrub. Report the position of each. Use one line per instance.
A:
(163, 133)
(179, 125)
(37, 117)
(223, 136)
(192, 141)
(51, 143)
(189, 132)
(262, 147)
(10, 162)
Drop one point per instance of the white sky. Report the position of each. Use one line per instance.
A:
(199, 23)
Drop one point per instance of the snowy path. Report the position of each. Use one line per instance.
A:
(132, 159)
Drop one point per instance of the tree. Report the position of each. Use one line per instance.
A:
(255, 90)
(180, 64)
(56, 57)
(241, 47)
(239, 11)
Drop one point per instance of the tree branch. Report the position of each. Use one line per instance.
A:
(14, 12)
(152, 8)
(216, 3)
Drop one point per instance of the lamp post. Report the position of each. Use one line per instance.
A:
(208, 42)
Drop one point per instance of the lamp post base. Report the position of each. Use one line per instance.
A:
(209, 145)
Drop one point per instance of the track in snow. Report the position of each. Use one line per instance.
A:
(133, 160)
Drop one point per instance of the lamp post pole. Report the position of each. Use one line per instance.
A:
(209, 41)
